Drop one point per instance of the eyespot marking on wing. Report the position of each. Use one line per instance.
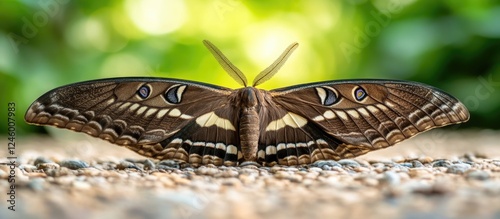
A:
(327, 95)
(144, 91)
(359, 93)
(174, 93)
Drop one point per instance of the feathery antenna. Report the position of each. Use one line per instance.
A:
(270, 71)
(231, 69)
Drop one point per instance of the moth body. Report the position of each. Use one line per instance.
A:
(249, 124)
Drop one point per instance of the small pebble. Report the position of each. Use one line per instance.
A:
(288, 175)
(115, 174)
(251, 171)
(391, 178)
(165, 167)
(295, 178)
(361, 169)
(478, 175)
(40, 160)
(391, 164)
(315, 169)
(231, 182)
(311, 175)
(150, 177)
(47, 166)
(290, 169)
(64, 180)
(91, 172)
(379, 167)
(470, 157)
(438, 188)
(210, 171)
(398, 159)
(275, 169)
(326, 164)
(132, 160)
(370, 181)
(81, 185)
(458, 168)
(169, 163)
(28, 168)
(126, 164)
(148, 164)
(63, 171)
(134, 175)
(407, 164)
(229, 173)
(363, 163)
(250, 164)
(282, 174)
(425, 159)
(417, 163)
(98, 181)
(349, 163)
(181, 181)
(36, 175)
(266, 169)
(188, 169)
(247, 179)
(73, 164)
(441, 163)
(185, 165)
(422, 173)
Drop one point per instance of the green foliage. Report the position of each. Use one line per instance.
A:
(453, 45)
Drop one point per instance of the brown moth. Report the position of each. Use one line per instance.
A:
(201, 123)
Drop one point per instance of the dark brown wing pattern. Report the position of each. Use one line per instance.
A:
(350, 118)
(159, 118)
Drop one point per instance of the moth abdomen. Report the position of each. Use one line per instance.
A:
(249, 133)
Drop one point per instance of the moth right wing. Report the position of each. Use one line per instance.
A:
(345, 119)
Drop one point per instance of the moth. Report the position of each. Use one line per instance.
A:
(198, 123)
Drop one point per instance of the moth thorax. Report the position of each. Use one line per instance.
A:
(249, 133)
(248, 97)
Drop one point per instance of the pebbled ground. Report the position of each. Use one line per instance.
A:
(441, 174)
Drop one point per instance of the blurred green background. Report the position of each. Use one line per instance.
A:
(453, 45)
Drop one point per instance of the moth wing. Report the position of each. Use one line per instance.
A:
(160, 118)
(354, 117)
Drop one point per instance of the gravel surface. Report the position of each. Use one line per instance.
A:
(437, 175)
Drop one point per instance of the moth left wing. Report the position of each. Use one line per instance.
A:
(156, 117)
(344, 119)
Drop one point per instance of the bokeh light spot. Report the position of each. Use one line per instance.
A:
(157, 17)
